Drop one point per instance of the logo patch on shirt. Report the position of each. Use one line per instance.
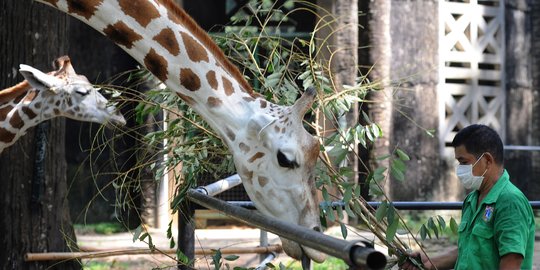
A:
(488, 214)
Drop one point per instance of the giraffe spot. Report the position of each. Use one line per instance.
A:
(214, 102)
(189, 79)
(16, 120)
(247, 175)
(195, 50)
(4, 111)
(167, 39)
(140, 10)
(6, 136)
(277, 129)
(85, 8)
(19, 98)
(52, 2)
(248, 99)
(230, 134)
(227, 86)
(262, 181)
(190, 101)
(31, 114)
(120, 33)
(37, 105)
(255, 157)
(211, 78)
(263, 104)
(56, 111)
(244, 148)
(156, 64)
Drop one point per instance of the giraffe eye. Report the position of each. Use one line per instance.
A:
(82, 91)
(285, 162)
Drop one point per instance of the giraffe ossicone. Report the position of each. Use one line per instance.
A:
(43, 96)
(273, 153)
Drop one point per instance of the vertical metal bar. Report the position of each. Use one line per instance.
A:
(186, 232)
(263, 240)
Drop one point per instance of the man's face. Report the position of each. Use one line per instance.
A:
(466, 158)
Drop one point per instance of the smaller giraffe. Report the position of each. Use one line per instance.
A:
(44, 96)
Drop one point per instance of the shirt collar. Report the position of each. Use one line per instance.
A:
(496, 190)
(493, 194)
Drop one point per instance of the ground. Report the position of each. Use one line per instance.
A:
(215, 239)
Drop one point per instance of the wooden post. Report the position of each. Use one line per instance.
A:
(186, 232)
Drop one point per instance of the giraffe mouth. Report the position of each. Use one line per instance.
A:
(116, 121)
(302, 253)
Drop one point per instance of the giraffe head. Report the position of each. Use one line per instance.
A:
(65, 93)
(277, 165)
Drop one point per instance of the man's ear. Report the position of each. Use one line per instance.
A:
(38, 79)
(258, 124)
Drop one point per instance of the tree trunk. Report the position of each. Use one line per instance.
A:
(344, 65)
(534, 186)
(380, 109)
(35, 216)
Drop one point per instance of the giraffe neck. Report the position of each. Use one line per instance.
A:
(169, 44)
(21, 107)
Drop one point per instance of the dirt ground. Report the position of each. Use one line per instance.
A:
(215, 239)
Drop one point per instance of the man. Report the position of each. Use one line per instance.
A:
(497, 222)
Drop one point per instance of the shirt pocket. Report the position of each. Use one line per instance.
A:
(482, 232)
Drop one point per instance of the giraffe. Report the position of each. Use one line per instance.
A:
(273, 153)
(44, 96)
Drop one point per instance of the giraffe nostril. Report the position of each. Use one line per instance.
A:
(317, 228)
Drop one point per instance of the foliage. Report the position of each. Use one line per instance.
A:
(100, 228)
(280, 69)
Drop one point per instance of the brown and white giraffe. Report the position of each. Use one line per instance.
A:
(44, 96)
(274, 155)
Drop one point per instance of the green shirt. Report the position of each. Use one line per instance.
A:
(502, 224)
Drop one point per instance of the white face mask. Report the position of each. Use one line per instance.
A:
(465, 175)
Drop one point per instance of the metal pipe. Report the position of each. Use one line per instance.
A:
(269, 258)
(403, 205)
(263, 242)
(60, 256)
(347, 251)
(522, 147)
(221, 185)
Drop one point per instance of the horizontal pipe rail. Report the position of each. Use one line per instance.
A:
(221, 185)
(61, 256)
(401, 205)
(352, 253)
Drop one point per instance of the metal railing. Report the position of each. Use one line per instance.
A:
(352, 253)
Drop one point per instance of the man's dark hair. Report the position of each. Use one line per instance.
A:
(479, 139)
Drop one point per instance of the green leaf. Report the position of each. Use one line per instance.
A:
(442, 223)
(137, 233)
(339, 211)
(343, 230)
(398, 164)
(397, 174)
(326, 197)
(402, 155)
(349, 211)
(391, 213)
(381, 211)
(347, 196)
(143, 236)
(453, 226)
(231, 258)
(182, 257)
(391, 230)
(423, 232)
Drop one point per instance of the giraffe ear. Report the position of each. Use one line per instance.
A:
(38, 79)
(258, 123)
